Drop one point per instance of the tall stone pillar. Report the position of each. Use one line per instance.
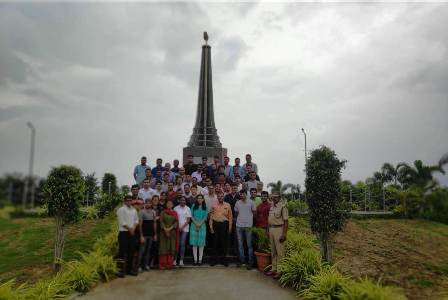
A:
(205, 140)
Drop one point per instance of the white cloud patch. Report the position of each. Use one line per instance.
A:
(106, 83)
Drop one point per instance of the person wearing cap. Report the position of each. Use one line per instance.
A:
(278, 229)
(140, 170)
(127, 223)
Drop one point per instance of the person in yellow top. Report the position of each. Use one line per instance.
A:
(220, 225)
(278, 228)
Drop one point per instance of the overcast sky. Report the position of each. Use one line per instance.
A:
(105, 84)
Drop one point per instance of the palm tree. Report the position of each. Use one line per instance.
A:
(420, 175)
(389, 173)
(279, 187)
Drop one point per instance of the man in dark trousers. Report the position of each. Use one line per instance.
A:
(127, 223)
(220, 223)
(232, 198)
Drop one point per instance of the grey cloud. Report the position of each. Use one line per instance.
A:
(122, 79)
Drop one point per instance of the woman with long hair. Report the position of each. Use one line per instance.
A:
(199, 212)
(169, 236)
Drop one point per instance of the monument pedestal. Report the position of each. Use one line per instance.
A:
(198, 152)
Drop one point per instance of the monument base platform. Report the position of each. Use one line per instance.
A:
(199, 152)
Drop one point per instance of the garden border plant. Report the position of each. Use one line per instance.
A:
(74, 276)
(304, 270)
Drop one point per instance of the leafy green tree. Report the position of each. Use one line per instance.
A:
(443, 161)
(91, 186)
(64, 191)
(109, 178)
(419, 175)
(323, 182)
(125, 189)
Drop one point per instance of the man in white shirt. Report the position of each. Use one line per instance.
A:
(252, 182)
(146, 192)
(127, 223)
(184, 215)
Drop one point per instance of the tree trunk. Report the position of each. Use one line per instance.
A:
(58, 244)
(325, 247)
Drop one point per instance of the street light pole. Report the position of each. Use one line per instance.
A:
(306, 160)
(30, 168)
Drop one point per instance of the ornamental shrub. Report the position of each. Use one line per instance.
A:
(368, 290)
(323, 183)
(80, 275)
(9, 292)
(326, 285)
(298, 242)
(262, 243)
(57, 287)
(298, 267)
(64, 192)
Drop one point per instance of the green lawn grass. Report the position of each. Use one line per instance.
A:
(26, 245)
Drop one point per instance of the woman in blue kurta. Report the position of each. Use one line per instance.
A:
(199, 212)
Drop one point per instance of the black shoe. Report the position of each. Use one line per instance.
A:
(212, 264)
(120, 275)
(199, 263)
(248, 267)
(133, 273)
(238, 265)
(226, 264)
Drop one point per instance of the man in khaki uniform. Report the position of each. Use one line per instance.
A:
(278, 228)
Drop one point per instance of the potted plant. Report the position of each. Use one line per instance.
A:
(262, 248)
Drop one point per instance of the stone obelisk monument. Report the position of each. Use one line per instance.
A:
(205, 140)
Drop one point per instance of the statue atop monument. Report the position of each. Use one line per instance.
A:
(205, 140)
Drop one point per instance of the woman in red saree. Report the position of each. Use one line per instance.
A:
(169, 236)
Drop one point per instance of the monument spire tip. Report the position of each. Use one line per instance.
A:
(205, 37)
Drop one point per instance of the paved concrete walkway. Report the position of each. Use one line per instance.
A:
(203, 283)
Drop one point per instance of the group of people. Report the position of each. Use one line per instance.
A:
(205, 204)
